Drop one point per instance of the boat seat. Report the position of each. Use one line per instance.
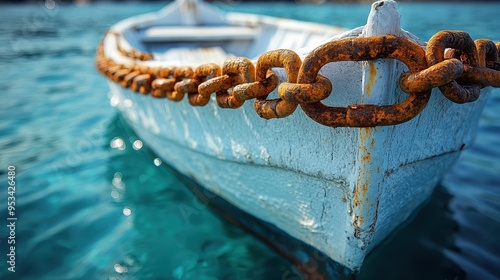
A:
(198, 33)
(192, 56)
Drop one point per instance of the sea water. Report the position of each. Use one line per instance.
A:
(93, 202)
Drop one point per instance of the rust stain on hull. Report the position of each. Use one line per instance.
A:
(362, 183)
(371, 80)
(365, 198)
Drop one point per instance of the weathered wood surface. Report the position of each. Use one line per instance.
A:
(340, 190)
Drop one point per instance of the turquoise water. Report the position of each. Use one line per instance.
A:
(89, 208)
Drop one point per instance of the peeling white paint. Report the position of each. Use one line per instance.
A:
(215, 144)
(264, 154)
(239, 151)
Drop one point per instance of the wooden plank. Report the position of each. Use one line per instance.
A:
(197, 33)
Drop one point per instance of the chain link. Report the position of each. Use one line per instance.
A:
(363, 49)
(452, 61)
(279, 107)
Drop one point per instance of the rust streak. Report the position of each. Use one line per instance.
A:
(371, 80)
(360, 196)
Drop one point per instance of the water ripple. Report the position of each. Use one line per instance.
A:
(90, 211)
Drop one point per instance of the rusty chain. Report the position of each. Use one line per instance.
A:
(452, 61)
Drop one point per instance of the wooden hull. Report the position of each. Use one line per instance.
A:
(340, 190)
(310, 181)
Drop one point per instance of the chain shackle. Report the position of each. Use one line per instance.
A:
(363, 49)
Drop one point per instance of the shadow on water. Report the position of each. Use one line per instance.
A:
(416, 249)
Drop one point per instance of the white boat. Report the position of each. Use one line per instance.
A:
(339, 180)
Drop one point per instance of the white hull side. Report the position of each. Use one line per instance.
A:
(301, 176)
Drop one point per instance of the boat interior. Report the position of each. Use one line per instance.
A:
(205, 35)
